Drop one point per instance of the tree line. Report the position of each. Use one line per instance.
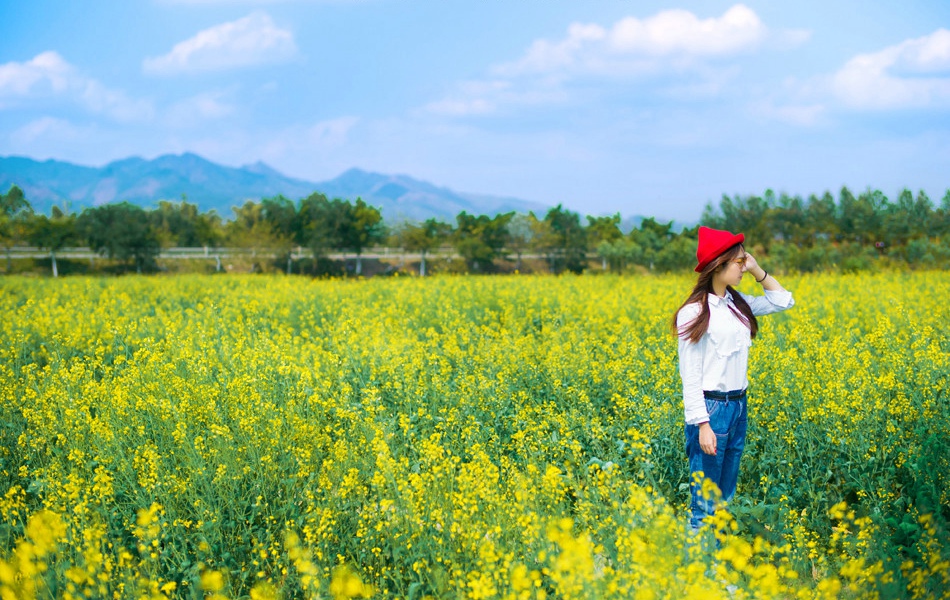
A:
(821, 232)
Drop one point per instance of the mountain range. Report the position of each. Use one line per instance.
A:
(217, 187)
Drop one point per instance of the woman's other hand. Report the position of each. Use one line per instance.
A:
(707, 439)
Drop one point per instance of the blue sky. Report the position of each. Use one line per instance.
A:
(637, 107)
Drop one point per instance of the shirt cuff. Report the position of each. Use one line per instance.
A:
(696, 412)
(781, 298)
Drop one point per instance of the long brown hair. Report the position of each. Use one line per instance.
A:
(696, 329)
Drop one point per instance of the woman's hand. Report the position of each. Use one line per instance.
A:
(707, 438)
(751, 266)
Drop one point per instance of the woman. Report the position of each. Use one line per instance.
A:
(715, 327)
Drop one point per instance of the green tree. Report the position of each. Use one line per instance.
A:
(679, 253)
(620, 253)
(751, 215)
(861, 219)
(322, 224)
(926, 216)
(249, 229)
(898, 220)
(652, 236)
(15, 214)
(568, 242)
(601, 230)
(942, 218)
(363, 228)
(543, 239)
(908, 220)
(423, 238)
(122, 232)
(181, 224)
(521, 235)
(788, 216)
(821, 218)
(53, 233)
(480, 239)
(280, 214)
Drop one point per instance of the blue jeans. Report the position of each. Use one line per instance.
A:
(728, 419)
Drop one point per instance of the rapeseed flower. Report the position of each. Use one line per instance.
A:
(460, 437)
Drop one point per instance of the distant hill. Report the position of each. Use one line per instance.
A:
(213, 186)
(400, 196)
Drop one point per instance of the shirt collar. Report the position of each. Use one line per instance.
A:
(714, 300)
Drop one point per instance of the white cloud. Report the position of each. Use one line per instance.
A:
(249, 41)
(912, 74)
(791, 38)
(703, 83)
(318, 139)
(114, 103)
(48, 75)
(461, 107)
(688, 53)
(330, 133)
(680, 32)
(805, 115)
(202, 107)
(547, 56)
(675, 37)
(472, 98)
(45, 128)
(928, 54)
(44, 72)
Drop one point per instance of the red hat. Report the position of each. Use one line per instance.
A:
(712, 243)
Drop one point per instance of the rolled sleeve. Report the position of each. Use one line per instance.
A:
(772, 302)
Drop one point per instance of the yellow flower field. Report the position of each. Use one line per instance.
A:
(460, 437)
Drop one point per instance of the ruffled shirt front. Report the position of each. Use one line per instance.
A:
(719, 360)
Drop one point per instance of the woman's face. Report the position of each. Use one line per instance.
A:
(730, 273)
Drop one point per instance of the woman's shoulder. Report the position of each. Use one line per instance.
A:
(688, 312)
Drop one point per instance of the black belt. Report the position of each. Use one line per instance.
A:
(725, 396)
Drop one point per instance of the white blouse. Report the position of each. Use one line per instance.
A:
(719, 360)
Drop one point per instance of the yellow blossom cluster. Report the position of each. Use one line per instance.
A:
(460, 437)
